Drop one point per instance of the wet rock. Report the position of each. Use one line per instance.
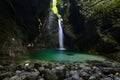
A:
(95, 77)
(6, 74)
(17, 71)
(107, 78)
(75, 75)
(117, 78)
(30, 75)
(7, 78)
(117, 74)
(31, 65)
(36, 65)
(20, 67)
(96, 70)
(110, 70)
(41, 79)
(85, 75)
(92, 78)
(111, 75)
(1, 66)
(42, 71)
(42, 68)
(81, 78)
(52, 77)
(15, 78)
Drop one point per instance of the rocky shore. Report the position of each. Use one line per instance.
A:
(39, 70)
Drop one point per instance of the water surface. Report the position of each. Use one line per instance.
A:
(63, 55)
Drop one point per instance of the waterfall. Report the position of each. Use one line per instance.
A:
(60, 34)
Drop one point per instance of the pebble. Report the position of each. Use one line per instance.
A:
(59, 71)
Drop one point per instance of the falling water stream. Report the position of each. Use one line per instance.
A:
(60, 34)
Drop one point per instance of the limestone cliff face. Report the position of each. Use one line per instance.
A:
(92, 25)
(89, 25)
(20, 21)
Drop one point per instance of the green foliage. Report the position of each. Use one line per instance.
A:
(59, 2)
(103, 8)
(105, 18)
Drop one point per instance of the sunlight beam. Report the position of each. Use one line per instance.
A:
(54, 8)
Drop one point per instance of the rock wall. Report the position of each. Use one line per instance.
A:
(19, 20)
(89, 25)
(92, 25)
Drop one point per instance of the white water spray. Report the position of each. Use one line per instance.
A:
(60, 34)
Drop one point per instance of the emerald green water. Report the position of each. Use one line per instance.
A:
(63, 55)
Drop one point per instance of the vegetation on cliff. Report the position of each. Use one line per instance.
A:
(92, 25)
(89, 25)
